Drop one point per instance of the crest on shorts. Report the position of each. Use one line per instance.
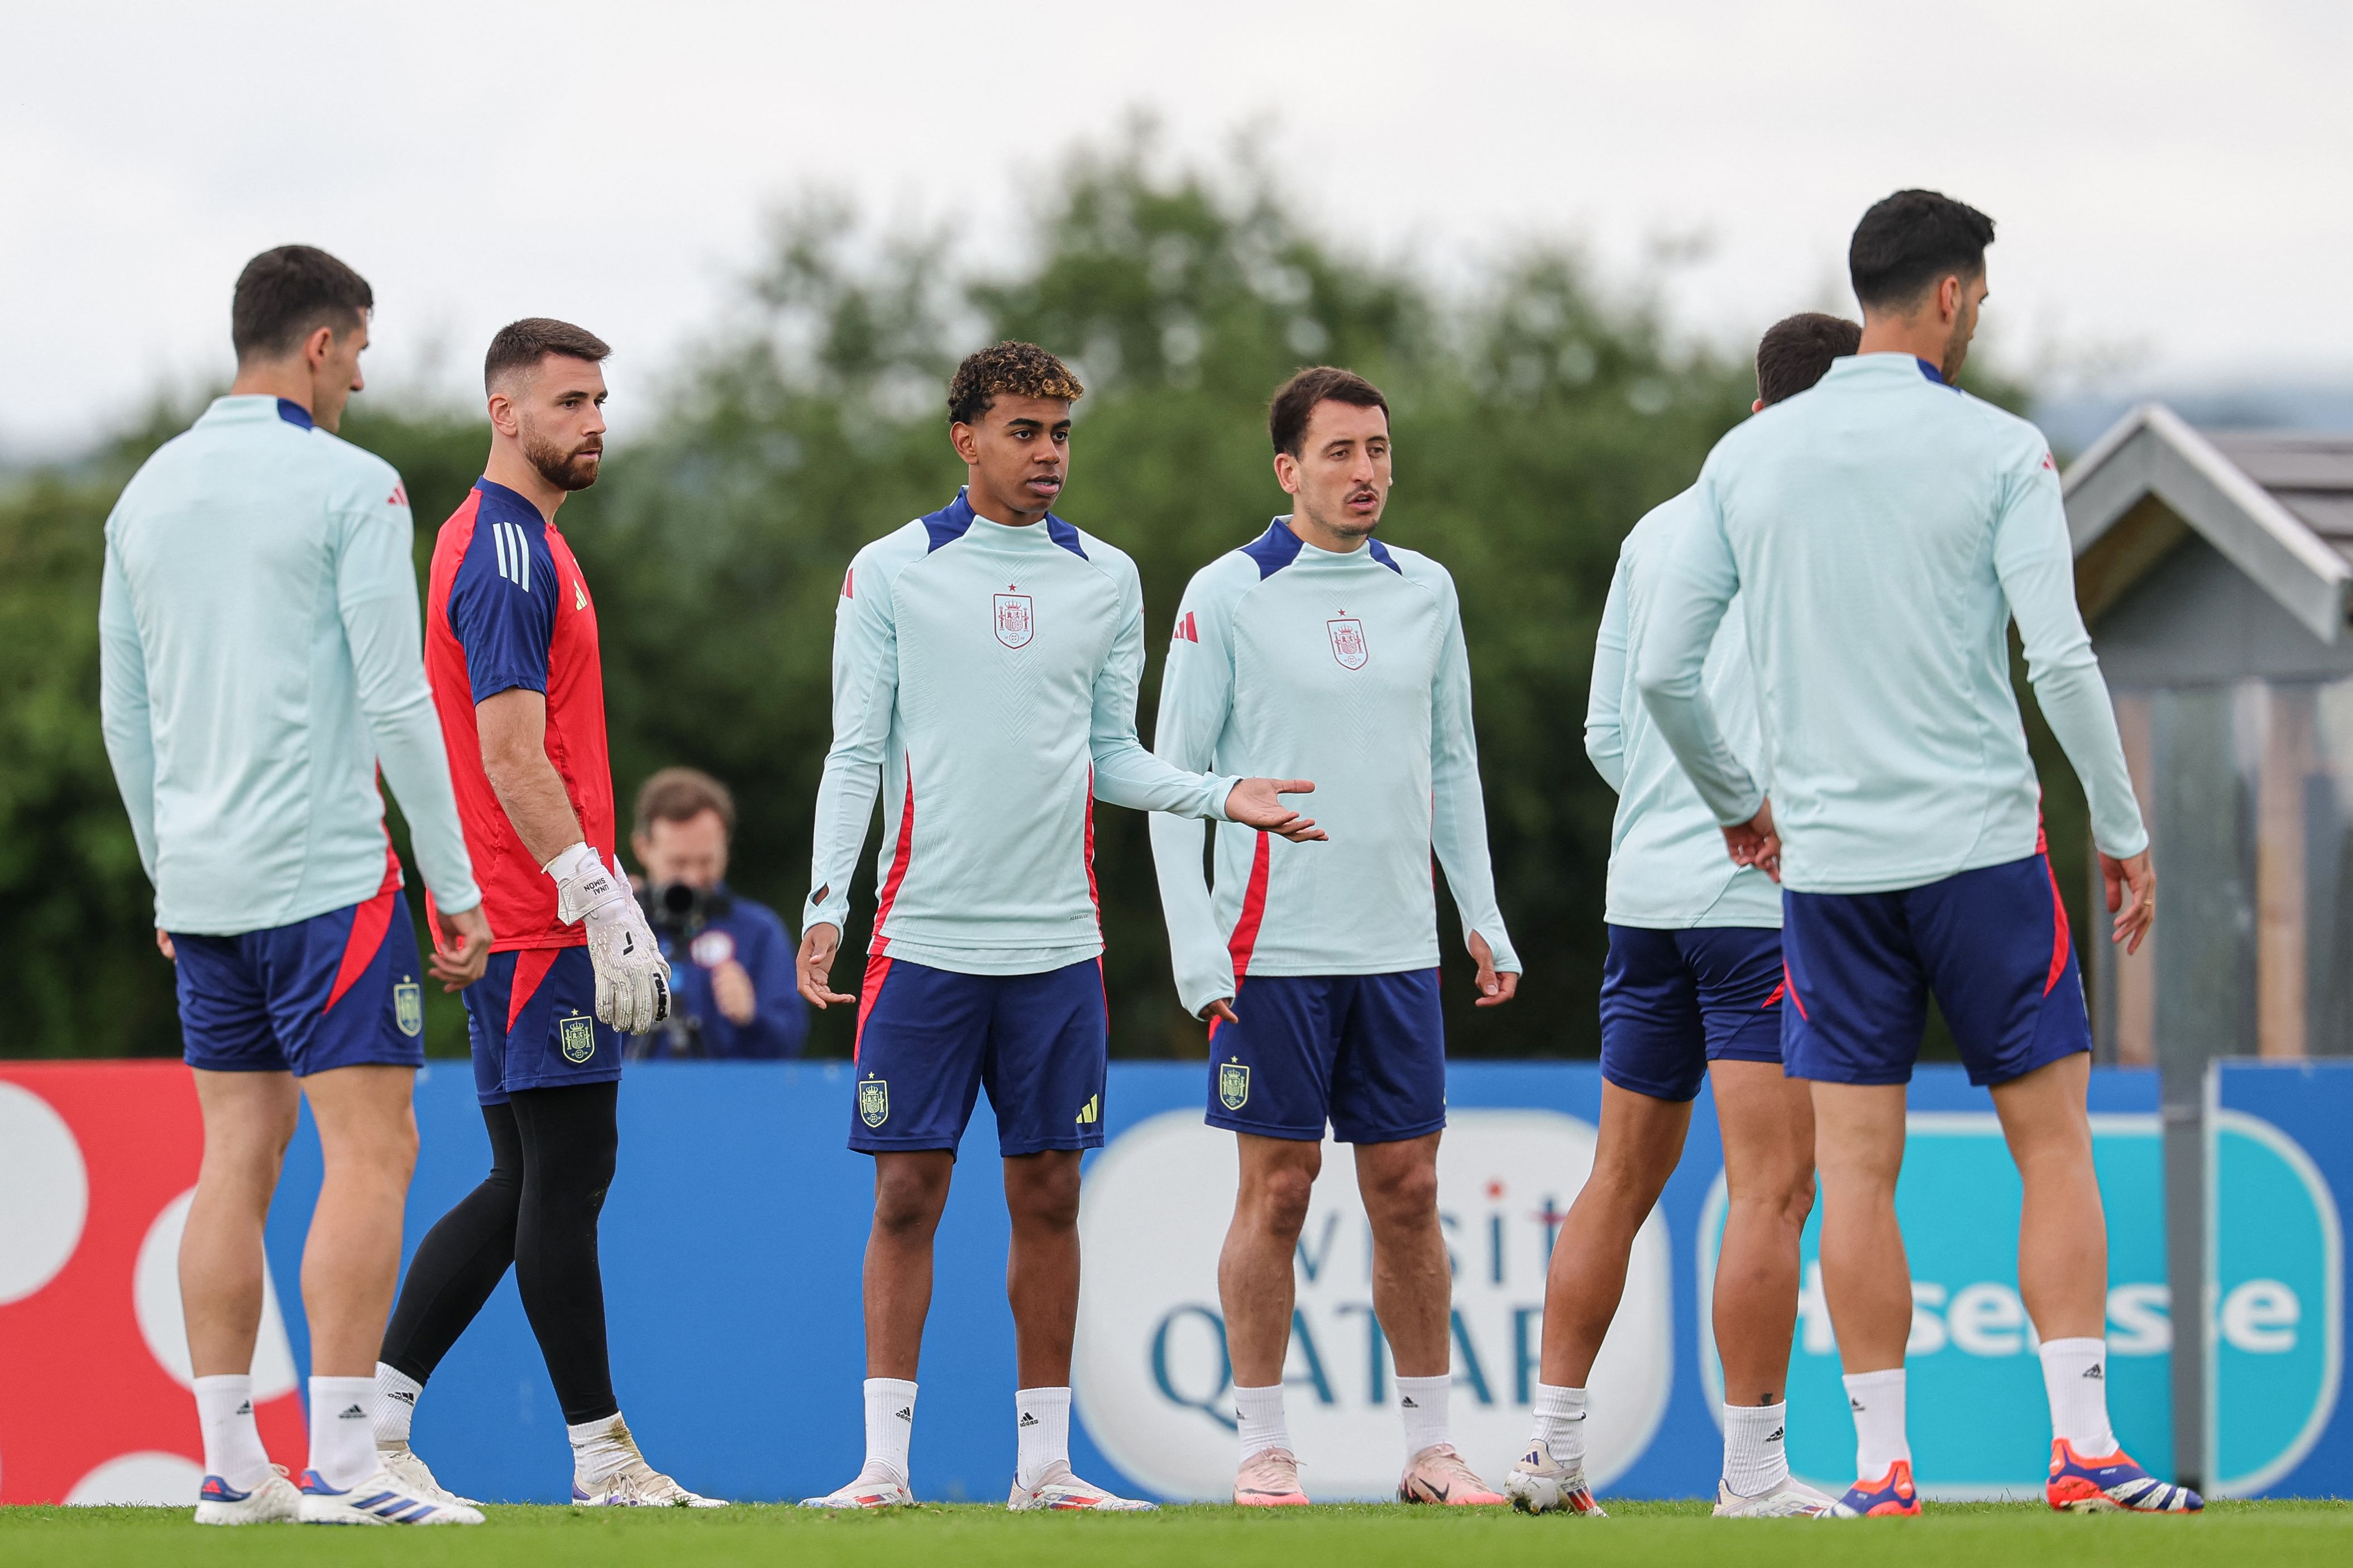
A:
(579, 1038)
(1349, 642)
(1016, 621)
(874, 1101)
(1233, 1085)
(408, 1007)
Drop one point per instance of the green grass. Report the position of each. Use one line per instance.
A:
(1980, 1535)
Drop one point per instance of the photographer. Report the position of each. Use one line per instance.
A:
(730, 959)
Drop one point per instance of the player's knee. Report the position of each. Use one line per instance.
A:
(1797, 1199)
(1406, 1194)
(907, 1201)
(1280, 1199)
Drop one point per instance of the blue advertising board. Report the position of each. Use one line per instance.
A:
(735, 1227)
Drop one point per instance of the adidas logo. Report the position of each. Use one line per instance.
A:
(1027, 1419)
(906, 1412)
(1092, 1111)
(353, 1413)
(1853, 1404)
(245, 1408)
(1775, 1436)
(405, 1397)
(1406, 1404)
(2095, 1373)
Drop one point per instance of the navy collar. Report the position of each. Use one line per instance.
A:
(509, 499)
(294, 414)
(953, 521)
(1930, 370)
(1278, 547)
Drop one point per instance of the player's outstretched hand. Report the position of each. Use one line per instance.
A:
(2132, 897)
(1258, 802)
(1755, 843)
(1496, 987)
(461, 948)
(818, 946)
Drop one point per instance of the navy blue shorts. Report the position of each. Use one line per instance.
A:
(1992, 944)
(342, 989)
(929, 1039)
(1674, 1001)
(532, 1020)
(1368, 1051)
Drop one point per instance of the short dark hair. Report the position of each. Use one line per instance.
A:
(521, 346)
(1294, 402)
(1910, 240)
(285, 295)
(1023, 370)
(1796, 351)
(681, 794)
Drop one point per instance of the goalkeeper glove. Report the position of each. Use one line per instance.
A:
(632, 976)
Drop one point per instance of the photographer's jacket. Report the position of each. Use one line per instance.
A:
(984, 680)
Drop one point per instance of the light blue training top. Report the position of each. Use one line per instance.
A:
(1883, 530)
(1349, 670)
(984, 680)
(1669, 868)
(261, 656)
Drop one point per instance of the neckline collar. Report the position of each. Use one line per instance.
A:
(493, 490)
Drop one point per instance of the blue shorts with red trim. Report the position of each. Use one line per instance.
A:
(1366, 1051)
(1991, 945)
(1674, 1001)
(532, 1018)
(929, 1040)
(342, 989)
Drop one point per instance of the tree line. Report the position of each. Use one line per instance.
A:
(1536, 415)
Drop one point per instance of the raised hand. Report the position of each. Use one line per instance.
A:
(1257, 803)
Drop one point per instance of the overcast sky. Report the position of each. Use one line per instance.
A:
(2173, 178)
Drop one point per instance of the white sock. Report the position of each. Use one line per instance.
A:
(601, 1451)
(1877, 1400)
(1560, 1422)
(2075, 1376)
(1258, 1420)
(1422, 1402)
(1042, 1432)
(889, 1423)
(233, 1449)
(396, 1393)
(1755, 1455)
(343, 1433)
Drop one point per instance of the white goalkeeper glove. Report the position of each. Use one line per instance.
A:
(632, 976)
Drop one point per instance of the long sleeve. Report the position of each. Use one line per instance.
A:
(1670, 667)
(2036, 566)
(122, 706)
(1605, 731)
(1124, 773)
(1196, 697)
(375, 596)
(865, 690)
(1459, 807)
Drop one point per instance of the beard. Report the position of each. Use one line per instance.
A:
(568, 468)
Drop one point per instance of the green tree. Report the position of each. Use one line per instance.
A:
(1536, 417)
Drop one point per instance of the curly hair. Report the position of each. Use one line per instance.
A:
(1025, 370)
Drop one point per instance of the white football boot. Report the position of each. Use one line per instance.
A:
(1540, 1484)
(1792, 1499)
(876, 1486)
(1058, 1489)
(272, 1500)
(379, 1499)
(401, 1463)
(636, 1484)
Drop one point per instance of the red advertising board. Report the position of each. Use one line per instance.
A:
(96, 1163)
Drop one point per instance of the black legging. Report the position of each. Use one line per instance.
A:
(552, 1156)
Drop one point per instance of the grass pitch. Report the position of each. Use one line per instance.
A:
(1979, 1536)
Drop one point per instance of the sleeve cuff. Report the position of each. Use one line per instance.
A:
(1221, 789)
(469, 897)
